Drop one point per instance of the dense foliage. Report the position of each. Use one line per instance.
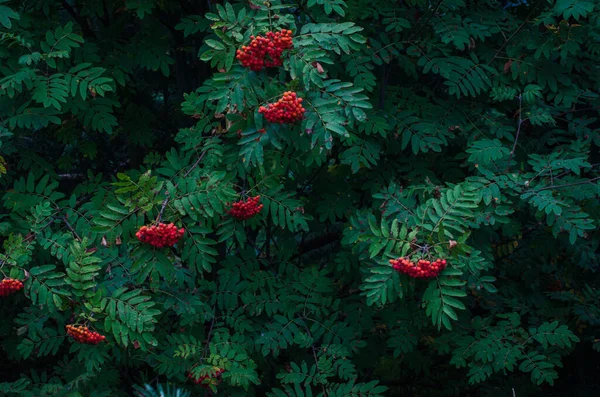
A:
(459, 133)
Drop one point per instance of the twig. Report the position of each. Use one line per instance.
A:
(208, 337)
(382, 87)
(64, 218)
(568, 184)
(106, 20)
(514, 33)
(314, 352)
(512, 152)
(268, 238)
(514, 394)
(306, 11)
(577, 110)
(422, 25)
(162, 209)
(316, 243)
(195, 164)
(312, 177)
(70, 176)
(166, 200)
(568, 172)
(81, 21)
(32, 236)
(317, 365)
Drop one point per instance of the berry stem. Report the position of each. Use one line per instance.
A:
(166, 200)
(162, 208)
(64, 218)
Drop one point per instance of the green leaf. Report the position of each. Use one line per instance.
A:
(6, 14)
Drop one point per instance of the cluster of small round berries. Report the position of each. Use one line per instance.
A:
(288, 109)
(243, 210)
(9, 286)
(421, 269)
(202, 379)
(83, 335)
(265, 51)
(163, 235)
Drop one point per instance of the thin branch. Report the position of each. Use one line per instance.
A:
(316, 243)
(195, 164)
(577, 110)
(305, 10)
(212, 324)
(166, 200)
(64, 218)
(314, 352)
(383, 86)
(515, 32)
(71, 176)
(106, 20)
(162, 209)
(568, 184)
(81, 21)
(512, 152)
(312, 177)
(421, 26)
(176, 34)
(268, 238)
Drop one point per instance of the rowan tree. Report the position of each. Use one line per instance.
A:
(299, 198)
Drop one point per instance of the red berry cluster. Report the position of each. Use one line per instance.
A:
(288, 109)
(421, 269)
(83, 335)
(163, 235)
(9, 286)
(243, 210)
(265, 51)
(202, 379)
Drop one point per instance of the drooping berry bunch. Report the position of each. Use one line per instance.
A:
(163, 235)
(420, 269)
(265, 51)
(201, 380)
(288, 109)
(243, 210)
(9, 286)
(83, 335)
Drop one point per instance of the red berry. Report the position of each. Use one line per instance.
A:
(265, 51)
(421, 269)
(9, 286)
(163, 235)
(83, 335)
(243, 210)
(288, 109)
